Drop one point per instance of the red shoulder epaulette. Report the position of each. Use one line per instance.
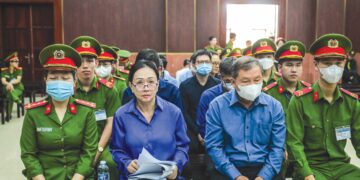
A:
(303, 91)
(305, 83)
(124, 71)
(35, 104)
(106, 83)
(349, 93)
(85, 103)
(266, 88)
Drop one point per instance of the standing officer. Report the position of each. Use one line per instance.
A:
(322, 117)
(247, 51)
(290, 57)
(59, 134)
(99, 91)
(264, 49)
(123, 64)
(11, 80)
(106, 65)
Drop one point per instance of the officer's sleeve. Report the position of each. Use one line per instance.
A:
(200, 114)
(278, 132)
(355, 128)
(295, 137)
(182, 142)
(118, 147)
(89, 146)
(185, 100)
(214, 142)
(112, 102)
(29, 150)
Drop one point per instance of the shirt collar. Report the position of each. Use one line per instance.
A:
(94, 84)
(282, 88)
(318, 94)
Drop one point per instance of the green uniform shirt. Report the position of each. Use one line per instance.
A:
(5, 73)
(311, 125)
(280, 93)
(120, 85)
(123, 74)
(229, 45)
(105, 98)
(57, 149)
(273, 77)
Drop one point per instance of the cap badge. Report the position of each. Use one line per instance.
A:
(59, 54)
(333, 43)
(294, 48)
(263, 43)
(85, 44)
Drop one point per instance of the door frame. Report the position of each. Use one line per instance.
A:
(58, 15)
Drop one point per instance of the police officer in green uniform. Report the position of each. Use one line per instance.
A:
(290, 57)
(236, 52)
(123, 64)
(106, 64)
(59, 134)
(322, 117)
(247, 51)
(99, 91)
(264, 49)
(11, 80)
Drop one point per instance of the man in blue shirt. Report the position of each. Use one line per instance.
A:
(165, 75)
(167, 91)
(210, 94)
(245, 128)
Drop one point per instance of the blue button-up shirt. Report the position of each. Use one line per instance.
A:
(240, 137)
(164, 137)
(206, 97)
(183, 75)
(166, 91)
(167, 77)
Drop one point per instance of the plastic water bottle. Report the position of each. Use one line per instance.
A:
(103, 171)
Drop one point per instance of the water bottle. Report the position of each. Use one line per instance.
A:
(103, 171)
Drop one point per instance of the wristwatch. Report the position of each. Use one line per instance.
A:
(100, 149)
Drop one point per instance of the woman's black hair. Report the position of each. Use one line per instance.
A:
(150, 55)
(142, 64)
(186, 62)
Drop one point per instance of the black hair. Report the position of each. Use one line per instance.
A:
(139, 64)
(244, 63)
(200, 52)
(164, 61)
(186, 62)
(149, 55)
(211, 38)
(232, 35)
(225, 66)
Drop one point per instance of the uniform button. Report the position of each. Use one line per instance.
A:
(313, 126)
(327, 120)
(62, 139)
(62, 150)
(64, 166)
(247, 141)
(60, 127)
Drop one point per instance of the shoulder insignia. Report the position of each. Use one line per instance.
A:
(124, 71)
(268, 87)
(303, 91)
(305, 83)
(106, 83)
(349, 93)
(120, 78)
(4, 69)
(85, 103)
(35, 104)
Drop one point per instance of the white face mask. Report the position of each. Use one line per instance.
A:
(250, 92)
(103, 72)
(266, 63)
(331, 74)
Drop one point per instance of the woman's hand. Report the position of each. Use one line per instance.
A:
(96, 159)
(39, 177)
(77, 177)
(173, 175)
(133, 166)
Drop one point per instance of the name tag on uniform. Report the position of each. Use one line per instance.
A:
(342, 133)
(44, 129)
(100, 115)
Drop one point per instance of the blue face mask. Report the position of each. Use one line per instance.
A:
(59, 90)
(203, 69)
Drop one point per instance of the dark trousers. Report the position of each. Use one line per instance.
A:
(250, 172)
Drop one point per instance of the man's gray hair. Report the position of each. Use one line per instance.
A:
(244, 63)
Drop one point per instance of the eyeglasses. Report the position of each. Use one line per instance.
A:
(140, 86)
